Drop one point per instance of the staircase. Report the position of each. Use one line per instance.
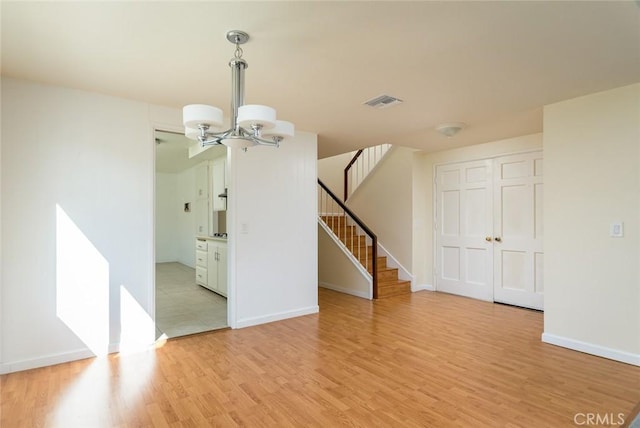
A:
(361, 165)
(388, 283)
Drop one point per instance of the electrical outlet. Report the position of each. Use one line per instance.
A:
(616, 230)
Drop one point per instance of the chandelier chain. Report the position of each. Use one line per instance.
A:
(238, 53)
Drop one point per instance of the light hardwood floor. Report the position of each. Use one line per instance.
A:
(420, 360)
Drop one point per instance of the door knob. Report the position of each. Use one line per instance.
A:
(488, 239)
(498, 239)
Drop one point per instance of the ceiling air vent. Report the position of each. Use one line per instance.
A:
(383, 101)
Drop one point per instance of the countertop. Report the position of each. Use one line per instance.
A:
(211, 238)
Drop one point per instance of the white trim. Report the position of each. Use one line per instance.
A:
(495, 156)
(64, 357)
(49, 360)
(421, 287)
(434, 228)
(326, 214)
(278, 316)
(589, 348)
(363, 294)
(231, 240)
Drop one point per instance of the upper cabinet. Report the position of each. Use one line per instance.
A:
(202, 181)
(219, 184)
(211, 182)
(202, 202)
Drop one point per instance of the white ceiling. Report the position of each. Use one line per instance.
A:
(492, 65)
(172, 152)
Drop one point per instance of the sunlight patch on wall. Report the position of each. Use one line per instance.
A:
(137, 326)
(82, 285)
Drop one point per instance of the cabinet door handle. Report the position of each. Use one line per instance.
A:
(498, 239)
(488, 239)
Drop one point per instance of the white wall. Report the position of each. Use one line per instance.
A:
(272, 215)
(166, 217)
(336, 271)
(175, 228)
(331, 172)
(80, 181)
(423, 167)
(384, 202)
(592, 178)
(186, 221)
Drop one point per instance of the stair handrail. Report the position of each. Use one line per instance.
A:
(346, 172)
(367, 231)
(362, 164)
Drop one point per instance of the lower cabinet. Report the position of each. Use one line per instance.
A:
(202, 262)
(211, 265)
(217, 267)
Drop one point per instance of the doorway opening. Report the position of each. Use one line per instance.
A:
(185, 245)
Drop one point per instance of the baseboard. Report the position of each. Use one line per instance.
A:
(49, 360)
(589, 348)
(357, 293)
(421, 287)
(248, 322)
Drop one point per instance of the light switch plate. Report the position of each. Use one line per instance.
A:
(616, 230)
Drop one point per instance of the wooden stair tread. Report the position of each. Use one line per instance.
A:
(388, 282)
(396, 288)
(394, 283)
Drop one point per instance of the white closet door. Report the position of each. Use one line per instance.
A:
(518, 230)
(464, 263)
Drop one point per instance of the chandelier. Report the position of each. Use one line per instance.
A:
(251, 124)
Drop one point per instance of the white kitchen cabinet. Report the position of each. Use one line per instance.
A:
(219, 183)
(201, 210)
(202, 263)
(211, 264)
(222, 269)
(202, 181)
(217, 267)
(202, 277)
(202, 205)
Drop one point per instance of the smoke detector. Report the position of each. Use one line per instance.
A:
(450, 129)
(383, 101)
